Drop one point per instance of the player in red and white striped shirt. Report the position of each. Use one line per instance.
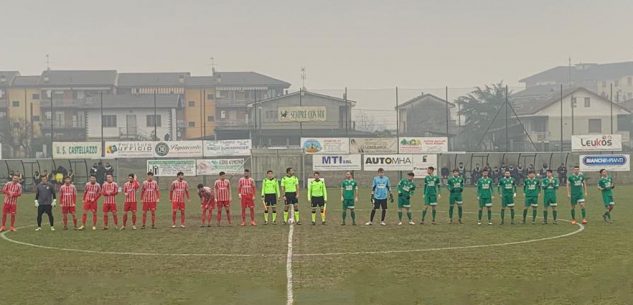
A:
(222, 190)
(207, 203)
(68, 194)
(150, 195)
(129, 189)
(109, 190)
(178, 190)
(92, 193)
(12, 190)
(246, 190)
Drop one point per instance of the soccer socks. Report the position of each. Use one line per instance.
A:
(243, 214)
(204, 216)
(252, 213)
(384, 214)
(124, 220)
(353, 214)
(218, 217)
(134, 219)
(410, 215)
(423, 215)
(74, 220)
(94, 219)
(116, 219)
(583, 212)
(450, 212)
(13, 220)
(313, 215)
(153, 218)
(489, 215)
(344, 215)
(534, 212)
(555, 215)
(266, 215)
(573, 214)
(512, 214)
(479, 214)
(372, 215)
(433, 212)
(65, 219)
(105, 220)
(182, 217)
(400, 215)
(173, 217)
(4, 219)
(274, 215)
(460, 211)
(503, 215)
(285, 215)
(144, 218)
(228, 215)
(525, 212)
(297, 217)
(545, 215)
(83, 219)
(322, 215)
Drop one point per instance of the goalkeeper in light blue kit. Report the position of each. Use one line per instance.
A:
(380, 191)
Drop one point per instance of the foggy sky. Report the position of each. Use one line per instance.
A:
(358, 44)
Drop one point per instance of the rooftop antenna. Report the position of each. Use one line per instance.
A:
(303, 78)
(48, 62)
(212, 66)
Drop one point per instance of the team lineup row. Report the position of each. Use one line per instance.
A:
(287, 189)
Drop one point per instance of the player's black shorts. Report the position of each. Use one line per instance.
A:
(318, 202)
(380, 204)
(270, 199)
(291, 198)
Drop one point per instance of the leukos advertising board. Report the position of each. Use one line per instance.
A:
(605, 142)
(169, 168)
(154, 149)
(222, 148)
(215, 166)
(326, 163)
(594, 163)
(408, 145)
(315, 146)
(373, 145)
(76, 150)
(388, 162)
(421, 163)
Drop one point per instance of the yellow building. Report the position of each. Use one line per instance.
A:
(23, 109)
(199, 107)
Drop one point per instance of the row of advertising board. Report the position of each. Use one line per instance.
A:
(151, 149)
(403, 145)
(192, 167)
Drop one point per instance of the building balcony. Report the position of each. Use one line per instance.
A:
(59, 125)
(239, 124)
(232, 103)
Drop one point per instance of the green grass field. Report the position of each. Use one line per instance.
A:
(331, 264)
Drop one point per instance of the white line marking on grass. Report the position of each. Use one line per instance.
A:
(290, 293)
(580, 229)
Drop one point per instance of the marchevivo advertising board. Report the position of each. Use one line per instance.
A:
(421, 163)
(408, 145)
(336, 162)
(336, 146)
(594, 163)
(373, 145)
(215, 166)
(227, 148)
(606, 142)
(169, 168)
(154, 149)
(76, 150)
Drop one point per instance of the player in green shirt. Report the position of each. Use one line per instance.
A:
(406, 187)
(484, 195)
(349, 196)
(550, 187)
(531, 189)
(290, 191)
(270, 193)
(455, 188)
(508, 191)
(606, 186)
(577, 192)
(317, 196)
(431, 193)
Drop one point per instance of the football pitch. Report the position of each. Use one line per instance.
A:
(326, 264)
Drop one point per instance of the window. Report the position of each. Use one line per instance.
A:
(223, 114)
(595, 126)
(209, 96)
(210, 118)
(16, 103)
(109, 121)
(192, 103)
(36, 118)
(150, 121)
(573, 102)
(35, 96)
(192, 124)
(587, 102)
(539, 124)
